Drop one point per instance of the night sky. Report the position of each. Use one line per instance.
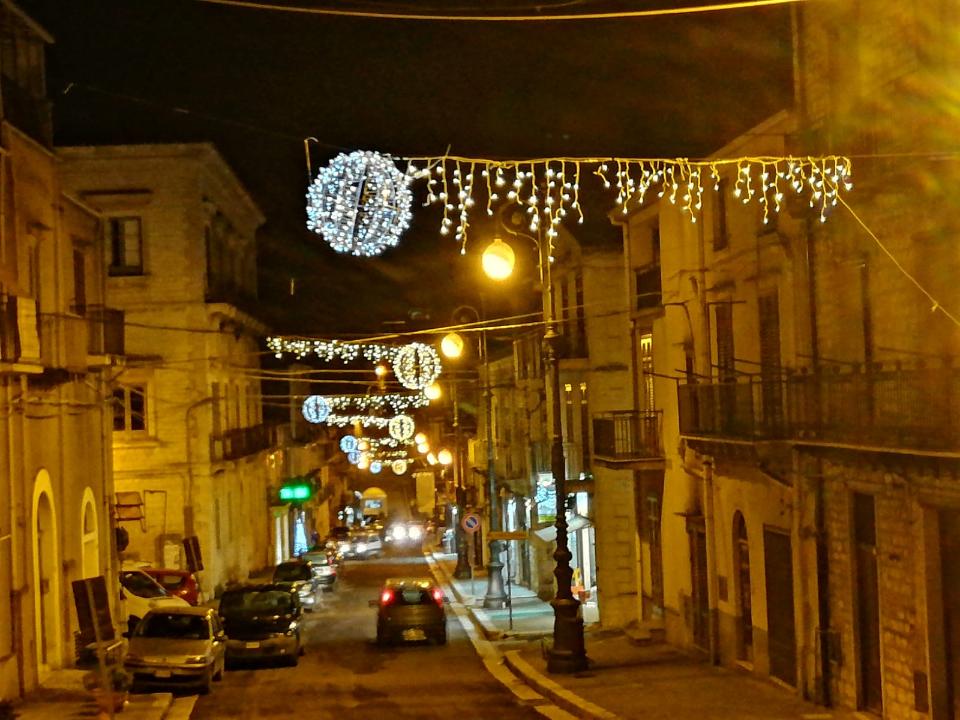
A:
(256, 83)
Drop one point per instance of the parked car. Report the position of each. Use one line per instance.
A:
(364, 544)
(140, 593)
(411, 609)
(179, 583)
(177, 647)
(262, 622)
(324, 562)
(299, 575)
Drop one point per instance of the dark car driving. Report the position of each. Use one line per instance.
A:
(262, 622)
(411, 609)
(300, 575)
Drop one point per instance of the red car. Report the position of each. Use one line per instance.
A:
(181, 583)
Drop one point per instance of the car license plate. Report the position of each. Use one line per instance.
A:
(162, 673)
(414, 634)
(251, 645)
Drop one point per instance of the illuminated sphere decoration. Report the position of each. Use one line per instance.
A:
(353, 457)
(416, 365)
(401, 427)
(348, 443)
(399, 467)
(316, 409)
(360, 203)
(376, 466)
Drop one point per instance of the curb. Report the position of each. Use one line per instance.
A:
(559, 695)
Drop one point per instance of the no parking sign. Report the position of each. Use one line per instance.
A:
(470, 522)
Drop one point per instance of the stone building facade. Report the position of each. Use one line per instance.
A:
(190, 447)
(59, 347)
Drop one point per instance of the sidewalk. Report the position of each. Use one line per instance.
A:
(63, 697)
(630, 679)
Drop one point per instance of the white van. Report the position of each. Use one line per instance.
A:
(140, 593)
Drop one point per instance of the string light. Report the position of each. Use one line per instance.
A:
(360, 203)
(416, 365)
(549, 188)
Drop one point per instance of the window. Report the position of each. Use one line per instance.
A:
(720, 237)
(125, 241)
(79, 282)
(130, 408)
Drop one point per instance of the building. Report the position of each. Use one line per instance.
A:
(192, 454)
(59, 347)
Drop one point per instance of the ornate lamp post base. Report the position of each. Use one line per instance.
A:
(568, 654)
(496, 596)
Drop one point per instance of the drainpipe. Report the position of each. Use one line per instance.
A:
(17, 581)
(713, 590)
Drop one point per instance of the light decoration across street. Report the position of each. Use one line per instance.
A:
(548, 189)
(360, 203)
(399, 467)
(316, 409)
(401, 427)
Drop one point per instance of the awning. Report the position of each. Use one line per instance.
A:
(574, 523)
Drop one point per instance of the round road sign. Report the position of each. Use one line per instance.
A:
(470, 522)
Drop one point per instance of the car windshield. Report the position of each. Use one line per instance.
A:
(292, 571)
(172, 625)
(252, 601)
(140, 584)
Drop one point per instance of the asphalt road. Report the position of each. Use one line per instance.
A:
(346, 676)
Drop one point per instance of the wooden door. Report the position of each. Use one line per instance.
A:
(781, 626)
(868, 603)
(744, 600)
(700, 602)
(950, 573)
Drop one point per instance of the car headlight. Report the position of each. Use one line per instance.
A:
(361, 547)
(197, 660)
(344, 546)
(399, 532)
(415, 533)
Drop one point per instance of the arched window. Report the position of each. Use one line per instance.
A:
(741, 559)
(89, 536)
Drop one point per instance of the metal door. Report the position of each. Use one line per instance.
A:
(781, 626)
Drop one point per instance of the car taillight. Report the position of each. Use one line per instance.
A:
(438, 595)
(386, 597)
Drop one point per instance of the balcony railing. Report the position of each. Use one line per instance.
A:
(63, 342)
(881, 406)
(630, 435)
(234, 444)
(105, 334)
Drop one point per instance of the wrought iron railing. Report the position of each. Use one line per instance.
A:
(628, 435)
(241, 442)
(883, 405)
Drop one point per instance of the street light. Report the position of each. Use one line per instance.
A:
(445, 457)
(567, 655)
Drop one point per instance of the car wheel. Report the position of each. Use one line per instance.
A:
(293, 659)
(207, 681)
(441, 637)
(381, 638)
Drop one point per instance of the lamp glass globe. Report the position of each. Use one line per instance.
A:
(432, 391)
(445, 457)
(452, 345)
(498, 260)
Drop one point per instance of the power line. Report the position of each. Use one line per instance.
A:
(374, 15)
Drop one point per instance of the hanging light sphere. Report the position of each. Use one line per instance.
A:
(353, 457)
(401, 427)
(498, 260)
(416, 365)
(316, 409)
(452, 345)
(360, 203)
(348, 443)
(445, 457)
(433, 391)
(376, 466)
(399, 467)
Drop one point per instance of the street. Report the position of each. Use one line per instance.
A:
(345, 675)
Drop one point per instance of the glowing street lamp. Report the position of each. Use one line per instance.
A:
(432, 459)
(452, 345)
(433, 391)
(498, 260)
(445, 457)
(420, 438)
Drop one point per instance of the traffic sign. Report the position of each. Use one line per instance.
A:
(470, 522)
(514, 535)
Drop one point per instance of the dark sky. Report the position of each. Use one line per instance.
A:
(256, 83)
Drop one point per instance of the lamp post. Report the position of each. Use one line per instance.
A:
(496, 596)
(568, 654)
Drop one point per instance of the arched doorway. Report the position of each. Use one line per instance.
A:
(741, 555)
(89, 536)
(46, 575)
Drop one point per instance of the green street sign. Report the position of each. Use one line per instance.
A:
(295, 492)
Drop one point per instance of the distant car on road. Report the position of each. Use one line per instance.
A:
(179, 583)
(300, 576)
(364, 544)
(411, 609)
(177, 647)
(324, 563)
(140, 593)
(262, 622)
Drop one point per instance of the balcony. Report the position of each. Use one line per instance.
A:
(9, 330)
(881, 406)
(63, 342)
(628, 436)
(648, 287)
(105, 333)
(239, 443)
(29, 114)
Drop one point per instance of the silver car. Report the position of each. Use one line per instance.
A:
(177, 647)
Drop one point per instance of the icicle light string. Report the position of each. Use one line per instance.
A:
(548, 189)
